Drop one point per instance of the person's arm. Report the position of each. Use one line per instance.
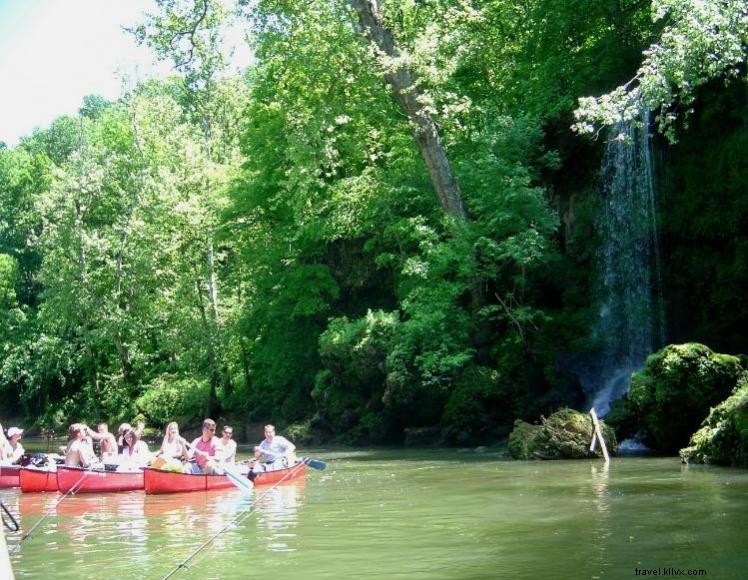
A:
(290, 447)
(185, 447)
(4, 444)
(231, 452)
(84, 453)
(95, 435)
(17, 454)
(193, 450)
(219, 454)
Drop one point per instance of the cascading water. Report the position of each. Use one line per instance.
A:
(628, 286)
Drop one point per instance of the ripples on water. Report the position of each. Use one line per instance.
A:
(406, 514)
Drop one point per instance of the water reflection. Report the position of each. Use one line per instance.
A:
(277, 515)
(152, 531)
(421, 516)
(602, 529)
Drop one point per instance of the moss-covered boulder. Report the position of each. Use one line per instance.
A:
(521, 440)
(566, 434)
(724, 437)
(675, 389)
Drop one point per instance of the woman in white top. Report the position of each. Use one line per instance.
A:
(135, 452)
(174, 447)
(228, 445)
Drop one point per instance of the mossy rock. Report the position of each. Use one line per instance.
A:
(522, 440)
(724, 437)
(566, 434)
(674, 391)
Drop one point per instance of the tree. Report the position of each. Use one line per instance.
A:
(700, 41)
(411, 100)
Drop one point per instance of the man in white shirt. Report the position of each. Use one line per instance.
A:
(275, 452)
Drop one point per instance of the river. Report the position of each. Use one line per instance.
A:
(406, 514)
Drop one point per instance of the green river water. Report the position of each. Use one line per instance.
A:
(407, 514)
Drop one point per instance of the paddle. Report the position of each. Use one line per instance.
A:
(237, 478)
(314, 463)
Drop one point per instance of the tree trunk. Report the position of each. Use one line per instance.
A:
(408, 97)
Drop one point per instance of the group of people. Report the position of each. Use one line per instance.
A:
(11, 450)
(207, 453)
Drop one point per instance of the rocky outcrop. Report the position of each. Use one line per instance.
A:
(566, 434)
(670, 396)
(724, 437)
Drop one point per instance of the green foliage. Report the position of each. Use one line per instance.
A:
(479, 407)
(273, 243)
(172, 398)
(700, 41)
(724, 435)
(348, 392)
(672, 394)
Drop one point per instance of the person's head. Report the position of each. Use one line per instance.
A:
(124, 428)
(209, 429)
(269, 432)
(102, 428)
(227, 433)
(172, 430)
(108, 444)
(14, 434)
(130, 438)
(76, 431)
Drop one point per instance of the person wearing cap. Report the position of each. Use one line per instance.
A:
(16, 449)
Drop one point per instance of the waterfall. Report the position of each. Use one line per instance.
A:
(628, 286)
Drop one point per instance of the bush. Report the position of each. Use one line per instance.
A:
(173, 398)
(348, 391)
(724, 436)
(478, 408)
(672, 394)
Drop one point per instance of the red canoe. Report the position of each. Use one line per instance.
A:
(281, 475)
(9, 476)
(81, 480)
(160, 481)
(33, 480)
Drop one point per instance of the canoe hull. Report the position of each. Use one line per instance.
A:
(9, 476)
(97, 481)
(158, 481)
(36, 480)
(281, 476)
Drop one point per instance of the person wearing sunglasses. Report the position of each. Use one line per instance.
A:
(204, 450)
(228, 445)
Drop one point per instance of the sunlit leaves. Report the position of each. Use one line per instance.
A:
(701, 40)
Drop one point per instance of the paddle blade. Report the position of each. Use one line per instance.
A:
(238, 479)
(315, 463)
